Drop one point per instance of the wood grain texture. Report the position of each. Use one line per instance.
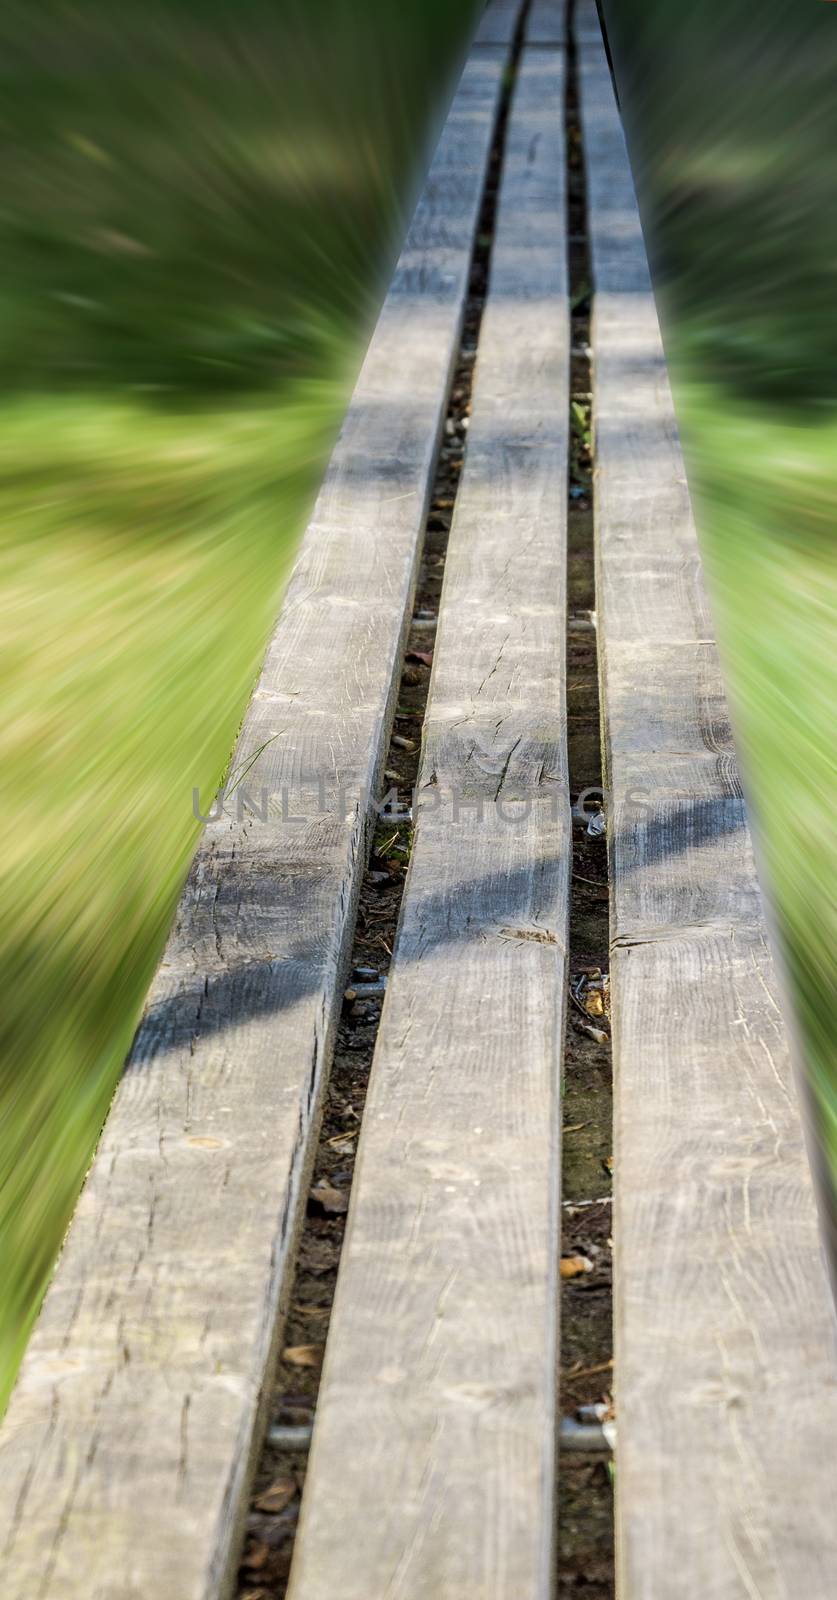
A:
(126, 1449)
(435, 1430)
(725, 1364)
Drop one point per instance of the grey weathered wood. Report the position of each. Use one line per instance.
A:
(498, 22)
(432, 1468)
(125, 1453)
(546, 22)
(725, 1365)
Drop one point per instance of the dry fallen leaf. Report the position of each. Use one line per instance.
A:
(255, 1556)
(598, 1034)
(588, 1372)
(573, 1266)
(278, 1496)
(303, 1355)
(342, 1144)
(537, 935)
(334, 1202)
(593, 1004)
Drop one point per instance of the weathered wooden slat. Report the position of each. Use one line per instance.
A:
(725, 1365)
(498, 22)
(546, 22)
(126, 1450)
(433, 1451)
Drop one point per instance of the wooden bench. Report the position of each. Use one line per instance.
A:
(128, 1446)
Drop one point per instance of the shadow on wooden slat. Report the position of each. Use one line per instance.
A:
(216, 1004)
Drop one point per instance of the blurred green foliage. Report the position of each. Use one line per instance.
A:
(731, 117)
(201, 196)
(201, 206)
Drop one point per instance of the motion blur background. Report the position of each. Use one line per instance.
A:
(201, 205)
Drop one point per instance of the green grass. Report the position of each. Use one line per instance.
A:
(768, 486)
(200, 208)
(143, 556)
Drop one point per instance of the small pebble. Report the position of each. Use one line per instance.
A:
(366, 991)
(596, 1413)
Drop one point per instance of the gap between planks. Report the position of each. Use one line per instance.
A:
(436, 1421)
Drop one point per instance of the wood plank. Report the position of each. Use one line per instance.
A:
(725, 1365)
(435, 1429)
(498, 22)
(546, 22)
(126, 1450)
